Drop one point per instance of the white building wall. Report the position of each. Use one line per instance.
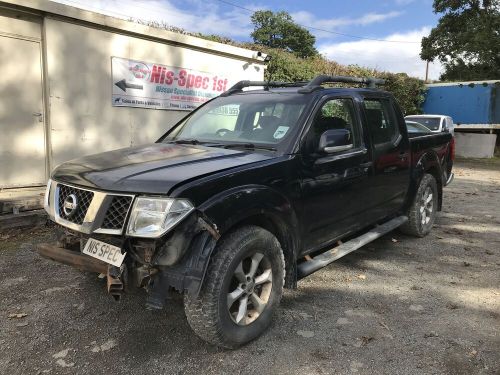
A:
(75, 115)
(82, 119)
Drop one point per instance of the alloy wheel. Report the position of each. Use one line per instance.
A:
(250, 289)
(426, 206)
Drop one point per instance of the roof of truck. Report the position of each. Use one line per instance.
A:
(329, 90)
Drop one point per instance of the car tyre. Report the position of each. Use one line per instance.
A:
(422, 212)
(241, 291)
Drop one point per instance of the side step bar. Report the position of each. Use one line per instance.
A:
(322, 260)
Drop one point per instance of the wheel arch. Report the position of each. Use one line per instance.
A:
(427, 163)
(275, 225)
(260, 206)
(438, 176)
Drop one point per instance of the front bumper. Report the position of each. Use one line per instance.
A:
(180, 264)
(114, 277)
(72, 258)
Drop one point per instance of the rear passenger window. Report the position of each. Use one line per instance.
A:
(381, 121)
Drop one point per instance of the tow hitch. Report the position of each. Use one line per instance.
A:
(114, 281)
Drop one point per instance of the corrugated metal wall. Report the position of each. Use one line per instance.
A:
(467, 103)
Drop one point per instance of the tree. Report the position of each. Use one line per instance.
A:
(278, 30)
(466, 39)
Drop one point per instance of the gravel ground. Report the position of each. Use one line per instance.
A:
(397, 306)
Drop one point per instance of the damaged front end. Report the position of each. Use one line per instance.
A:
(176, 259)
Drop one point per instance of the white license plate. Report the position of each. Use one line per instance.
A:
(104, 251)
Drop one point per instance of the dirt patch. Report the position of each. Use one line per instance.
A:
(421, 306)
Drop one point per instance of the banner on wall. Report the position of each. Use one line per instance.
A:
(151, 85)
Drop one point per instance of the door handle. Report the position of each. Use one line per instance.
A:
(357, 171)
(364, 167)
(403, 155)
(352, 173)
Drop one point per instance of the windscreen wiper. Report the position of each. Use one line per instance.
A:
(247, 146)
(186, 141)
(250, 146)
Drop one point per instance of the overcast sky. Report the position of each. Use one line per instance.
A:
(400, 23)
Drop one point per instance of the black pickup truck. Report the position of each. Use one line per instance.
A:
(246, 195)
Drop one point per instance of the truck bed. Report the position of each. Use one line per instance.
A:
(441, 143)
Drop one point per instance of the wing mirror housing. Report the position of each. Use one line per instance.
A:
(335, 140)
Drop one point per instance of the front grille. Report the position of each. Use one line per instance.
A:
(83, 200)
(87, 211)
(117, 212)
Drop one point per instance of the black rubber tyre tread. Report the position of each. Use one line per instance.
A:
(203, 312)
(413, 226)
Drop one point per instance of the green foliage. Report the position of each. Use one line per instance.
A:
(462, 71)
(336, 108)
(408, 91)
(466, 39)
(278, 30)
(288, 67)
(284, 66)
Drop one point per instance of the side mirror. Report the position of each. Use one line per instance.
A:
(335, 140)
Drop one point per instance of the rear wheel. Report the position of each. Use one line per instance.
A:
(422, 212)
(241, 291)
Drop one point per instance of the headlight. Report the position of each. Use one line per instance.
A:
(152, 217)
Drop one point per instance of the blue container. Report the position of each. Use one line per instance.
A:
(465, 102)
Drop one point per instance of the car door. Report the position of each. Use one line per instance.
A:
(390, 154)
(332, 184)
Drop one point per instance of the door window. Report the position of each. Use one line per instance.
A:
(381, 121)
(335, 114)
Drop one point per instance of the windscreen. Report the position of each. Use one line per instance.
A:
(431, 123)
(266, 118)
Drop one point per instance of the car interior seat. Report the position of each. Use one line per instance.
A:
(267, 126)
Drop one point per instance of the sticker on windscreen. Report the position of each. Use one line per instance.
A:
(280, 132)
